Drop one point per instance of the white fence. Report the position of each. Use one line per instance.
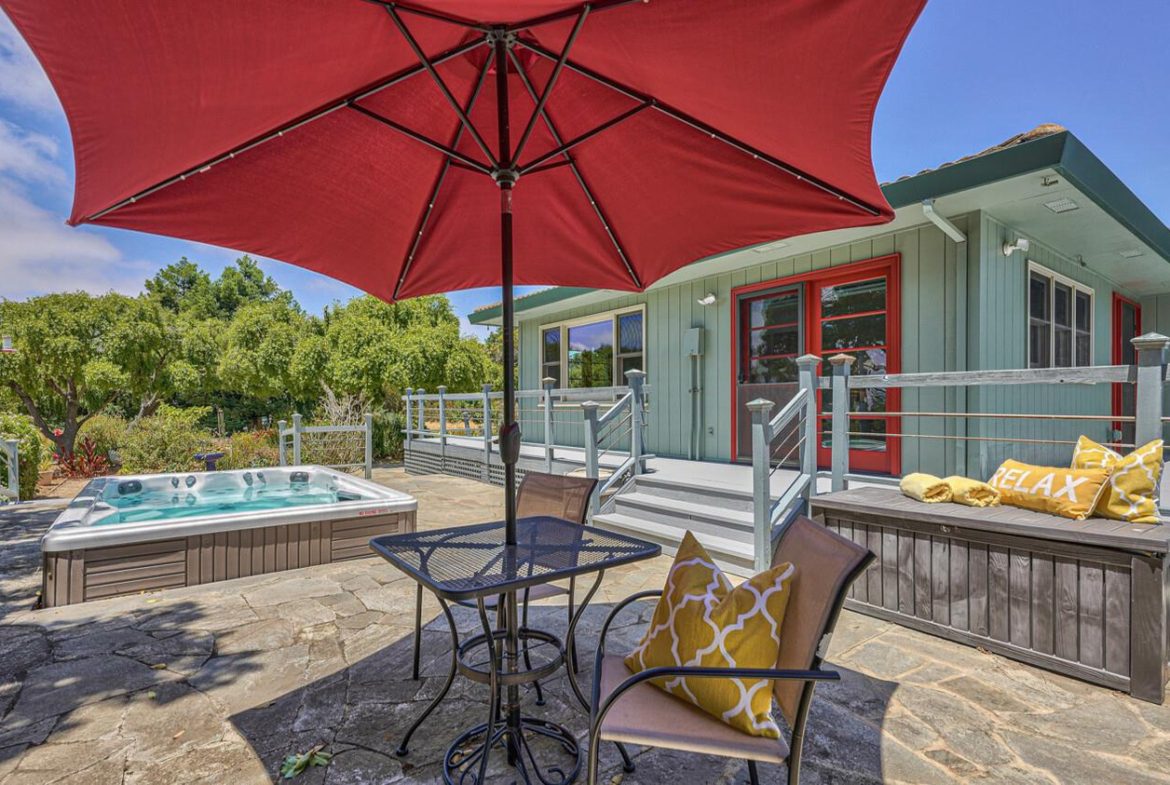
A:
(10, 469)
(325, 440)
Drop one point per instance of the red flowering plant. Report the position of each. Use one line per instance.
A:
(84, 462)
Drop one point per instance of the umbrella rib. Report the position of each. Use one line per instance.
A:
(448, 18)
(552, 80)
(421, 55)
(442, 175)
(422, 138)
(702, 127)
(556, 136)
(556, 16)
(585, 137)
(292, 125)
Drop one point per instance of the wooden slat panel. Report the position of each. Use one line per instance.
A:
(232, 557)
(270, 548)
(940, 580)
(1092, 617)
(303, 535)
(977, 581)
(119, 552)
(133, 574)
(1067, 602)
(874, 573)
(364, 522)
(315, 543)
(923, 606)
(906, 573)
(146, 584)
(1043, 604)
(1117, 619)
(206, 558)
(281, 548)
(220, 556)
(76, 576)
(997, 592)
(93, 568)
(1020, 598)
(959, 588)
(890, 569)
(246, 537)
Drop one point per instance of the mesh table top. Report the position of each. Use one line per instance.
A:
(471, 561)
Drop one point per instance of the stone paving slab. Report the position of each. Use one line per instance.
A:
(217, 683)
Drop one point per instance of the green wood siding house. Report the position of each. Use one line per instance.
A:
(948, 285)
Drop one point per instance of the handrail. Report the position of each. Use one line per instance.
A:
(1092, 374)
(785, 415)
(614, 410)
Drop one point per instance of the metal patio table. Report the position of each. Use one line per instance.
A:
(473, 563)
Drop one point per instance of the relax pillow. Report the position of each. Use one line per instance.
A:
(1132, 491)
(1069, 493)
(702, 621)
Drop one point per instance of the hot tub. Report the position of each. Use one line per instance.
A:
(125, 535)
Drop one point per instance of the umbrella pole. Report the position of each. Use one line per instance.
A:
(505, 177)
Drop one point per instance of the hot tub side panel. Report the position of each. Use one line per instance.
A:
(96, 573)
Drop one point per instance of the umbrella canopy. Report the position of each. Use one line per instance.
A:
(312, 131)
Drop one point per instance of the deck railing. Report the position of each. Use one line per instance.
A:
(319, 437)
(1032, 430)
(555, 420)
(10, 462)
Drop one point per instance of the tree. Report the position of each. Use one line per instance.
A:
(72, 357)
(259, 346)
(184, 288)
(494, 346)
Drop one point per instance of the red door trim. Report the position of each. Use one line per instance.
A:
(890, 266)
(1115, 350)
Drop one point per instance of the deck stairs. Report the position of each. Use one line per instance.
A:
(662, 510)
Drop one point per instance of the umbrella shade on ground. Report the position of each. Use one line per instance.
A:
(311, 132)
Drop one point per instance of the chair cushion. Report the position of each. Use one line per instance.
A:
(648, 716)
(1069, 493)
(702, 620)
(1132, 491)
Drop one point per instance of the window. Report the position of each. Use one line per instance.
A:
(1060, 320)
(595, 351)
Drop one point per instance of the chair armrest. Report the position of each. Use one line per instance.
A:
(699, 672)
(642, 595)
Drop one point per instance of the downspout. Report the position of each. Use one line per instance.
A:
(960, 239)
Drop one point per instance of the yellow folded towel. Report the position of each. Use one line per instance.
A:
(925, 488)
(972, 493)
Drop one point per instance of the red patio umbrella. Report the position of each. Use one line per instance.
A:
(425, 147)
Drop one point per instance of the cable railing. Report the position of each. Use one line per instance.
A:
(338, 446)
(604, 434)
(984, 437)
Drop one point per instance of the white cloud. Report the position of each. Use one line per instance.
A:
(22, 80)
(29, 156)
(39, 253)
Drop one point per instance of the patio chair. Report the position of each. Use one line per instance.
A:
(556, 495)
(627, 709)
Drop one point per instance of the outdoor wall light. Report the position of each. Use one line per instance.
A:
(708, 300)
(1021, 244)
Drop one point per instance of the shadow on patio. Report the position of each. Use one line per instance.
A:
(361, 712)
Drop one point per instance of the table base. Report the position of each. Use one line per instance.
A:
(463, 763)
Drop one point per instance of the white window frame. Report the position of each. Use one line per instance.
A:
(592, 318)
(1076, 286)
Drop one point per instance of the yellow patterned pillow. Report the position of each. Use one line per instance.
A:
(1132, 491)
(702, 621)
(1069, 493)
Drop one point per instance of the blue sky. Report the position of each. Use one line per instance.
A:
(973, 73)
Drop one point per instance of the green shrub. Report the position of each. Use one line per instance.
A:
(106, 431)
(249, 449)
(165, 442)
(20, 428)
(388, 436)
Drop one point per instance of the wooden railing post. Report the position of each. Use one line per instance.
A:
(636, 380)
(409, 420)
(442, 421)
(281, 426)
(547, 383)
(761, 411)
(842, 364)
(422, 408)
(1151, 375)
(589, 408)
(487, 433)
(807, 376)
(369, 421)
(297, 439)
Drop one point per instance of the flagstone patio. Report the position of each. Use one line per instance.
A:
(216, 684)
